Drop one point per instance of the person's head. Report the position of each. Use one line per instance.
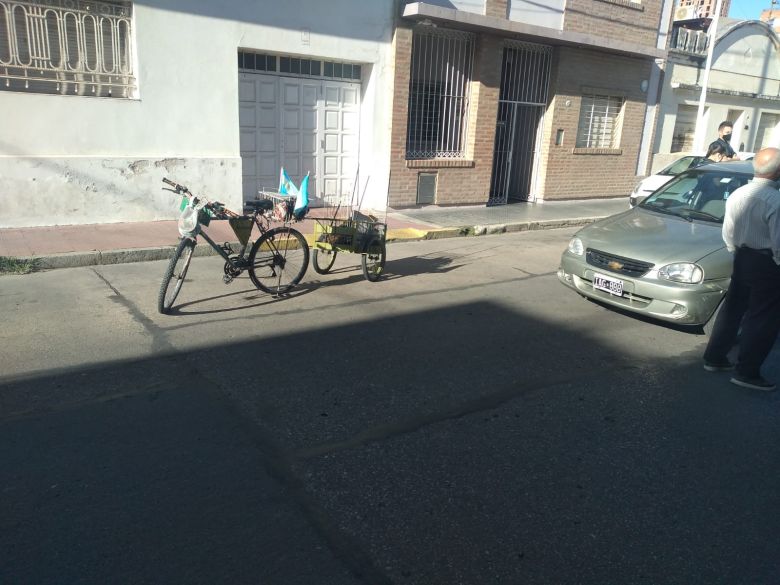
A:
(724, 130)
(717, 152)
(766, 164)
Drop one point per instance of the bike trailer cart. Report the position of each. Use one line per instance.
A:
(359, 234)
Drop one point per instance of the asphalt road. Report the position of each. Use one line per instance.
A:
(467, 420)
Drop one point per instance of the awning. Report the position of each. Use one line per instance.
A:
(459, 19)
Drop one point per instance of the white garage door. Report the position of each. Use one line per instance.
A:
(304, 125)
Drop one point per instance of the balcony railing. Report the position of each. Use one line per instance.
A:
(693, 42)
(75, 47)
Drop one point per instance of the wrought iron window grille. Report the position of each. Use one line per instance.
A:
(69, 47)
(599, 124)
(439, 89)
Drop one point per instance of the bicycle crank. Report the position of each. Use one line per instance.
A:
(231, 271)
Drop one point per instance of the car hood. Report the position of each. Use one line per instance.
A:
(652, 237)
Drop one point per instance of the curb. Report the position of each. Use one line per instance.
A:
(493, 229)
(124, 256)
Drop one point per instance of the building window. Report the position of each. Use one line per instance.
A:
(75, 47)
(249, 61)
(439, 85)
(599, 125)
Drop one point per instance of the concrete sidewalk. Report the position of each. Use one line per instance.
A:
(85, 245)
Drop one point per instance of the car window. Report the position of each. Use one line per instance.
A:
(683, 164)
(696, 195)
(677, 166)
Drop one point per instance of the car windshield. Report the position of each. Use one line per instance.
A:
(683, 164)
(696, 194)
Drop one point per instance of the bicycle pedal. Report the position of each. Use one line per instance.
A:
(227, 279)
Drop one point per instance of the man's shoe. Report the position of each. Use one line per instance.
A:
(752, 383)
(723, 365)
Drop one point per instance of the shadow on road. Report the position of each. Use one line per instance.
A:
(470, 444)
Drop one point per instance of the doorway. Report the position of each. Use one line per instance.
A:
(525, 78)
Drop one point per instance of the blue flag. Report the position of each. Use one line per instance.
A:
(286, 186)
(302, 199)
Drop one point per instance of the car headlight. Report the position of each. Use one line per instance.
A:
(576, 247)
(684, 272)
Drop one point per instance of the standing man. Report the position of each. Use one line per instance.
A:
(724, 140)
(751, 230)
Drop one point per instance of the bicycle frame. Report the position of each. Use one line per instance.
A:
(220, 249)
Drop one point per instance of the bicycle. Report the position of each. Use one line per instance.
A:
(277, 260)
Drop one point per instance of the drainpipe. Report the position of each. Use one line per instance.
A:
(653, 88)
(699, 135)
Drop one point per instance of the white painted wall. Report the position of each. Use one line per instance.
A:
(81, 160)
(473, 6)
(548, 13)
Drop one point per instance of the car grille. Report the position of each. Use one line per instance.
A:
(618, 264)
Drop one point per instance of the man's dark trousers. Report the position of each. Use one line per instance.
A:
(753, 299)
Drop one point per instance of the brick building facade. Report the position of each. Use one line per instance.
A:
(588, 131)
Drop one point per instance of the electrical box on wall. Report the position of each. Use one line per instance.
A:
(426, 188)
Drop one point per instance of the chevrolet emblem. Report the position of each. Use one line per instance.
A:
(616, 266)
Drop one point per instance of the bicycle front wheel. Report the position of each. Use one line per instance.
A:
(278, 260)
(174, 275)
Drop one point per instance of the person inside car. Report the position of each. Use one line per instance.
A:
(717, 152)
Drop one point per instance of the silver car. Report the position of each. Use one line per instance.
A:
(655, 181)
(664, 258)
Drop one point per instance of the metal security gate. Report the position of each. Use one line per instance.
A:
(525, 77)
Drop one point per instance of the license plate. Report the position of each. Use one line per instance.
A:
(608, 284)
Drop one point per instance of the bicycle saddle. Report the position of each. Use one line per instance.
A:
(261, 205)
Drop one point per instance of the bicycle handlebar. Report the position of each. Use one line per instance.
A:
(178, 188)
(216, 207)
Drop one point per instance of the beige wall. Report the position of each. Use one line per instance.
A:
(496, 8)
(581, 173)
(635, 22)
(563, 172)
(459, 181)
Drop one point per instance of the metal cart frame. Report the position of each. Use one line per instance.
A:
(359, 234)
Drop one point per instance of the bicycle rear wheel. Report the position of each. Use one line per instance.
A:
(278, 260)
(174, 276)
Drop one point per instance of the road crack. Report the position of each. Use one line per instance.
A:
(480, 404)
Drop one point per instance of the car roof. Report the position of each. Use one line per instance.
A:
(734, 166)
